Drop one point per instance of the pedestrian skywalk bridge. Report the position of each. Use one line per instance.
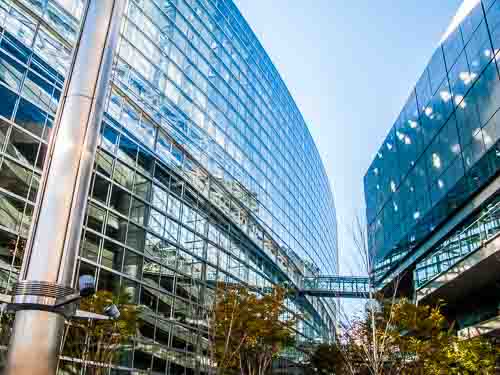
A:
(336, 286)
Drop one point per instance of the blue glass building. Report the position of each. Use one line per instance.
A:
(205, 169)
(431, 190)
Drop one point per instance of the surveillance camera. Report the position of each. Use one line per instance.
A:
(112, 311)
(86, 285)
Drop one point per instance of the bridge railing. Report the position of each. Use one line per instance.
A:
(337, 286)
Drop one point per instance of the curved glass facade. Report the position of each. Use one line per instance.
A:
(205, 169)
(202, 67)
(443, 147)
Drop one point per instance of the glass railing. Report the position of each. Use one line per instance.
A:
(337, 286)
(464, 241)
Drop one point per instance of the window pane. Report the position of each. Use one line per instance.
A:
(96, 217)
(159, 198)
(120, 200)
(452, 47)
(40, 92)
(138, 211)
(22, 146)
(479, 50)
(15, 178)
(11, 72)
(8, 243)
(437, 70)
(101, 189)
(11, 212)
(7, 103)
(90, 247)
(112, 255)
(127, 151)
(104, 163)
(30, 117)
(52, 51)
(142, 186)
(109, 138)
(136, 237)
(132, 264)
(123, 175)
(116, 227)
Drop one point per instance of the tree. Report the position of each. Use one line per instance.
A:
(269, 331)
(98, 343)
(6, 327)
(94, 343)
(364, 339)
(326, 359)
(396, 336)
(247, 331)
(424, 332)
(473, 356)
(227, 325)
(417, 339)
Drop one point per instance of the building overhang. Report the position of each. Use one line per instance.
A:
(490, 327)
(472, 273)
(472, 205)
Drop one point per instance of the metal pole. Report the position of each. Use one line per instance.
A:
(52, 248)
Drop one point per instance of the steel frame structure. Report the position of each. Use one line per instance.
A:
(336, 286)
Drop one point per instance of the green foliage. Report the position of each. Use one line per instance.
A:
(414, 339)
(473, 356)
(99, 342)
(438, 349)
(247, 330)
(6, 328)
(326, 359)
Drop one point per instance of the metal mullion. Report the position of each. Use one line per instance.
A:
(85, 229)
(137, 252)
(125, 248)
(211, 83)
(41, 21)
(182, 147)
(38, 21)
(242, 59)
(18, 197)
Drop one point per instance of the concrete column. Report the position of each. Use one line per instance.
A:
(52, 248)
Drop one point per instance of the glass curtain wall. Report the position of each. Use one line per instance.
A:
(205, 170)
(444, 145)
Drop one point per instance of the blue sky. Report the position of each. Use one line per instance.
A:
(350, 66)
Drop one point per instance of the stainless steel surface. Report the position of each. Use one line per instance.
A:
(82, 314)
(69, 165)
(53, 244)
(35, 343)
(40, 288)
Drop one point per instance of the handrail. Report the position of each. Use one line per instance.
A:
(474, 235)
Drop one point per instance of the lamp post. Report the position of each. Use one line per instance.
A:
(52, 248)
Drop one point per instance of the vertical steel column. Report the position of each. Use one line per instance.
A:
(53, 244)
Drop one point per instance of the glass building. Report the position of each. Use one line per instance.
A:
(205, 169)
(431, 192)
